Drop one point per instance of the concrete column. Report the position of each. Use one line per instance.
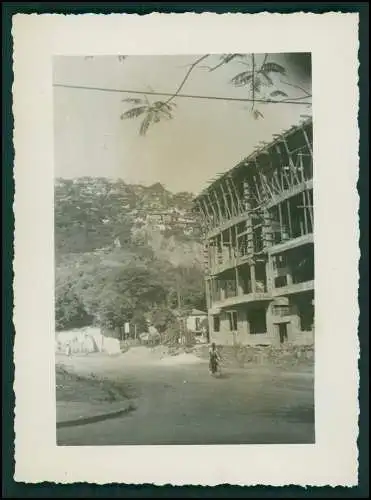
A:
(269, 273)
(249, 237)
(208, 293)
(252, 277)
(239, 287)
(271, 329)
(289, 277)
(267, 229)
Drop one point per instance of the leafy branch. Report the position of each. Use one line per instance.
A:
(192, 67)
(159, 109)
(256, 77)
(152, 112)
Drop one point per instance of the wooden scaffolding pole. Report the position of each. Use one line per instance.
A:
(206, 208)
(305, 213)
(260, 198)
(301, 167)
(280, 219)
(237, 251)
(235, 207)
(239, 204)
(310, 209)
(308, 142)
(280, 186)
(221, 218)
(266, 186)
(227, 209)
(292, 165)
(213, 209)
(289, 217)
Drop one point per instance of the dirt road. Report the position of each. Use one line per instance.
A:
(178, 402)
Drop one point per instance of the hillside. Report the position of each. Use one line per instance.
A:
(92, 214)
(124, 251)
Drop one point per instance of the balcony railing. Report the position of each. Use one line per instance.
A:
(294, 288)
(242, 299)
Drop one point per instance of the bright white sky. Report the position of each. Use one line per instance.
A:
(205, 137)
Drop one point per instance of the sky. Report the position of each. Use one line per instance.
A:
(206, 137)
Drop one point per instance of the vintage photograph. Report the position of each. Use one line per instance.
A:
(184, 249)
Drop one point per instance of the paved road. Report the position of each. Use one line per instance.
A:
(184, 405)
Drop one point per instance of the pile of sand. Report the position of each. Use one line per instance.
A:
(157, 355)
(181, 359)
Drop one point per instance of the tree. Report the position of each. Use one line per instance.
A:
(91, 213)
(69, 309)
(162, 318)
(261, 77)
(115, 295)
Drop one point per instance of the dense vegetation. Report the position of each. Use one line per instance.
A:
(112, 265)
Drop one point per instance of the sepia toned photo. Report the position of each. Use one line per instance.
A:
(184, 249)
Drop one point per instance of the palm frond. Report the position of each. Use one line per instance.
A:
(266, 76)
(146, 123)
(271, 67)
(133, 100)
(257, 114)
(277, 93)
(242, 78)
(166, 113)
(134, 112)
(227, 58)
(257, 84)
(164, 108)
(169, 105)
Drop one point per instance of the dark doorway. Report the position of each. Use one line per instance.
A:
(282, 330)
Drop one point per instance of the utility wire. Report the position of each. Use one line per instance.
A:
(187, 96)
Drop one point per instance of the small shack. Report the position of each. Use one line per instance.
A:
(196, 322)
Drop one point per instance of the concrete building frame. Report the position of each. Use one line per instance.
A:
(259, 244)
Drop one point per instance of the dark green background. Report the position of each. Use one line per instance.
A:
(10, 489)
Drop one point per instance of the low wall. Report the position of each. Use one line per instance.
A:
(240, 355)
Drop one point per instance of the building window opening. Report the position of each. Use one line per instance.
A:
(280, 281)
(216, 324)
(258, 239)
(257, 321)
(302, 264)
(198, 324)
(233, 320)
(243, 245)
(302, 213)
(245, 279)
(306, 315)
(276, 225)
(229, 284)
(260, 277)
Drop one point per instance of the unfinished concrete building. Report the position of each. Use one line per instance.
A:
(259, 252)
